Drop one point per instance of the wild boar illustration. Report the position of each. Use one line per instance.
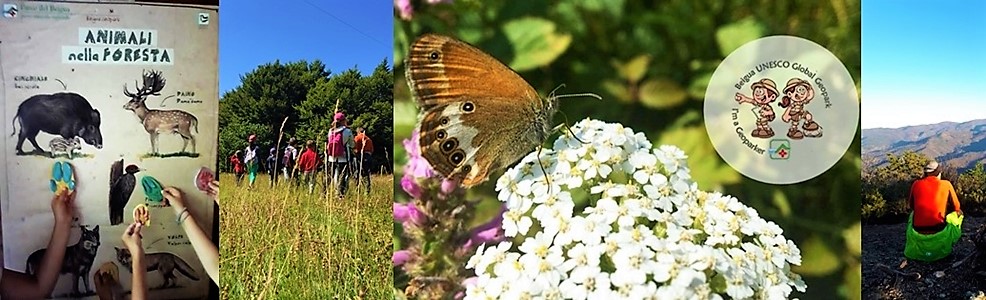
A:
(68, 115)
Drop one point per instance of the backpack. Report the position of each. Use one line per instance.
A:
(288, 159)
(337, 146)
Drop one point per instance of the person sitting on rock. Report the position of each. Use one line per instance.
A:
(935, 224)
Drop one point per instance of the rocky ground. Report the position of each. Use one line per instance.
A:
(886, 274)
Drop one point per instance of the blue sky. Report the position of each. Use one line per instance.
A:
(924, 62)
(252, 33)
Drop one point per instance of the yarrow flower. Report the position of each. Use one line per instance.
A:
(625, 221)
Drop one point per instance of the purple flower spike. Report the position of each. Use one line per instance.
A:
(401, 257)
(404, 6)
(411, 187)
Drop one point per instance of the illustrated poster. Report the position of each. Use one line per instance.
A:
(122, 93)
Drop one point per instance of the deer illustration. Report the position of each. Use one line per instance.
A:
(158, 121)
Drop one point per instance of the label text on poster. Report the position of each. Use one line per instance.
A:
(117, 46)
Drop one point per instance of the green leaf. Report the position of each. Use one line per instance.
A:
(535, 42)
(405, 118)
(782, 204)
(661, 93)
(817, 258)
(852, 236)
(618, 90)
(734, 35)
(699, 84)
(613, 8)
(852, 286)
(706, 168)
(635, 69)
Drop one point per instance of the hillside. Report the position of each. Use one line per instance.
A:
(958, 144)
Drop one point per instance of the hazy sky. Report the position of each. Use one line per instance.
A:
(924, 62)
(252, 33)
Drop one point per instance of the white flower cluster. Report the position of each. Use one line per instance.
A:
(646, 232)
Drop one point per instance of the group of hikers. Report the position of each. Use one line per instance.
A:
(345, 154)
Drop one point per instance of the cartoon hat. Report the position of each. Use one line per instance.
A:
(795, 82)
(931, 166)
(765, 83)
(339, 116)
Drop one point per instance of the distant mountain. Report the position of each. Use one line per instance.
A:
(958, 144)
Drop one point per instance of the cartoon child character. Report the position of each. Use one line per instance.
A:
(797, 94)
(764, 93)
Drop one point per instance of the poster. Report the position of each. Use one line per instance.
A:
(119, 91)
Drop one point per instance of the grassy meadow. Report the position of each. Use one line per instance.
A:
(282, 243)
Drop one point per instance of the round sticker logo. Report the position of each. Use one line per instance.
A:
(781, 109)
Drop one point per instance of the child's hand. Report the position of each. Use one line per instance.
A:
(131, 238)
(214, 190)
(174, 198)
(63, 207)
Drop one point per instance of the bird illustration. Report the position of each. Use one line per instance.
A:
(122, 183)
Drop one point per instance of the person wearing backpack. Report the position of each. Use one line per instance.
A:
(289, 157)
(337, 147)
(362, 154)
(307, 165)
(238, 167)
(271, 160)
(251, 159)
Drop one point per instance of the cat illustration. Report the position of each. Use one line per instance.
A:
(167, 263)
(78, 259)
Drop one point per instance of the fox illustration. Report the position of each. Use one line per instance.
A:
(165, 262)
(78, 259)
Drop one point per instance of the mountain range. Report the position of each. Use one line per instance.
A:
(961, 145)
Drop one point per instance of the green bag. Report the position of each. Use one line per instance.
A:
(932, 247)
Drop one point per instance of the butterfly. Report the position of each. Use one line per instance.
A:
(479, 116)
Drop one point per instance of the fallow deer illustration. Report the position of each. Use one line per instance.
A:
(158, 121)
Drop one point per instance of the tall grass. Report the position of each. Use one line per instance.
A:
(283, 243)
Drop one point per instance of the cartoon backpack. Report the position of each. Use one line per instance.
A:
(337, 147)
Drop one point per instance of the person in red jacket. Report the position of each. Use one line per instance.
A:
(238, 168)
(308, 164)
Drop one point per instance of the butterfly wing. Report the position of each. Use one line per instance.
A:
(479, 115)
(461, 148)
(441, 70)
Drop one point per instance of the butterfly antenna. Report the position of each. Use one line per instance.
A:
(569, 128)
(543, 170)
(579, 95)
(552, 94)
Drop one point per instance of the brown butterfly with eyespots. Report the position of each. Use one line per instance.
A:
(479, 116)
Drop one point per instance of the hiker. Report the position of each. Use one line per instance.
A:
(933, 227)
(271, 161)
(308, 164)
(337, 146)
(238, 167)
(290, 156)
(17, 285)
(363, 153)
(251, 159)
